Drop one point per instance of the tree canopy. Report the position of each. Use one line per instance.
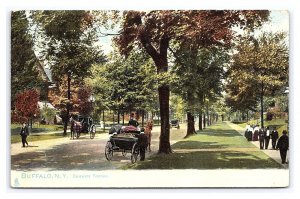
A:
(23, 59)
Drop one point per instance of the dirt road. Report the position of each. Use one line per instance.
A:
(81, 154)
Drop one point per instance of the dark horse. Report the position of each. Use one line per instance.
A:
(76, 128)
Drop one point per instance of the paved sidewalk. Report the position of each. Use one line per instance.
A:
(274, 154)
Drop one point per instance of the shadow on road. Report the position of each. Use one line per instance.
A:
(77, 155)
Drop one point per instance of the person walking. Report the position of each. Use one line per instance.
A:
(24, 133)
(283, 146)
(267, 138)
(274, 137)
(261, 136)
(255, 133)
(142, 143)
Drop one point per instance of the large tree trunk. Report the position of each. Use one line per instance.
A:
(164, 141)
(68, 104)
(159, 55)
(118, 117)
(190, 124)
(262, 105)
(204, 120)
(200, 121)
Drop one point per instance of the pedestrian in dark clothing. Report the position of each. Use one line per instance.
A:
(24, 133)
(261, 136)
(267, 138)
(274, 137)
(255, 133)
(142, 143)
(283, 146)
(133, 121)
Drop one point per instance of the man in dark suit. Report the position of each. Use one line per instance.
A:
(267, 138)
(274, 137)
(24, 133)
(261, 135)
(142, 143)
(283, 146)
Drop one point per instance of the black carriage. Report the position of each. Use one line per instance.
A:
(82, 124)
(124, 142)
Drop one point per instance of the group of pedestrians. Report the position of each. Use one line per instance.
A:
(264, 135)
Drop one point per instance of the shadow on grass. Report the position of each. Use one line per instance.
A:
(220, 132)
(208, 160)
(197, 145)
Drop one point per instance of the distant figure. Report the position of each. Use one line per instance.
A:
(283, 146)
(256, 132)
(133, 121)
(24, 133)
(148, 133)
(249, 132)
(267, 138)
(261, 136)
(274, 137)
(142, 143)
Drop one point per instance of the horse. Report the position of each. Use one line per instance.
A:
(148, 133)
(76, 128)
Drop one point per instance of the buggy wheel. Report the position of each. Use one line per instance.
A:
(109, 151)
(134, 153)
(124, 153)
(92, 131)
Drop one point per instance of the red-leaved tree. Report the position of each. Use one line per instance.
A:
(26, 103)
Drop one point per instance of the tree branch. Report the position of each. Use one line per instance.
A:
(149, 47)
(176, 57)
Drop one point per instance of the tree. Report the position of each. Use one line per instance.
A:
(69, 45)
(23, 59)
(154, 30)
(125, 85)
(259, 68)
(26, 103)
(199, 74)
(84, 104)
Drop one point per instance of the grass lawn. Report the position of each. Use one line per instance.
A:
(218, 147)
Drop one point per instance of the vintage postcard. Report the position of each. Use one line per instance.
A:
(149, 98)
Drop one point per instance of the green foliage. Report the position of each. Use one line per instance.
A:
(125, 84)
(23, 59)
(48, 114)
(260, 67)
(68, 42)
(199, 73)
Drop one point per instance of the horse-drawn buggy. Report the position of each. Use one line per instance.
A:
(82, 124)
(127, 139)
(124, 140)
